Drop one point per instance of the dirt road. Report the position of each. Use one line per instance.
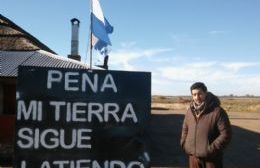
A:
(243, 152)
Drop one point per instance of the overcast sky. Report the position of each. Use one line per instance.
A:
(179, 41)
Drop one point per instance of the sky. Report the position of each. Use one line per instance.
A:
(178, 41)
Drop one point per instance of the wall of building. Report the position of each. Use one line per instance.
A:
(1, 98)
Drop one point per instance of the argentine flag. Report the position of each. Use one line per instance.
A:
(100, 27)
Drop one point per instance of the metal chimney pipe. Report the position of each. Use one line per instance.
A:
(75, 40)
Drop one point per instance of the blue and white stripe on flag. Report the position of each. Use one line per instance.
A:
(100, 27)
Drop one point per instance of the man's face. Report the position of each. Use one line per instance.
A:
(198, 96)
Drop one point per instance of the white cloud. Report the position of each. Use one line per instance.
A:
(188, 72)
(236, 66)
(204, 70)
(173, 74)
(128, 44)
(224, 77)
(216, 32)
(184, 39)
(122, 58)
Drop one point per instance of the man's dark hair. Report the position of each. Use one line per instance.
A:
(198, 85)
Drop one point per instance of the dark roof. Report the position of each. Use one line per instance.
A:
(14, 38)
(10, 60)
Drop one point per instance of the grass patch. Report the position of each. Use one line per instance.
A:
(230, 104)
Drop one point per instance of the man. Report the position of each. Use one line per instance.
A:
(206, 129)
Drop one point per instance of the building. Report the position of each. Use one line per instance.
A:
(18, 47)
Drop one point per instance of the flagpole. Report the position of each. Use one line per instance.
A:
(90, 54)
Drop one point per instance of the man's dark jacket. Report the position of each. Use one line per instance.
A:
(206, 136)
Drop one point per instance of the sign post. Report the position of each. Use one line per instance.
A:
(81, 118)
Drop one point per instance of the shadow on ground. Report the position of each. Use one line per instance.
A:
(165, 131)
